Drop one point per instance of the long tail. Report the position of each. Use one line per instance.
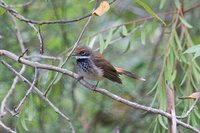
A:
(129, 74)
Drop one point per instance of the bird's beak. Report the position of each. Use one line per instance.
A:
(73, 55)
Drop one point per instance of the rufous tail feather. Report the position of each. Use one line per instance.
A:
(129, 74)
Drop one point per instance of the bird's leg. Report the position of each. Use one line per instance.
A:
(22, 55)
(95, 86)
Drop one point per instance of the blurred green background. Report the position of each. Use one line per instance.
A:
(128, 38)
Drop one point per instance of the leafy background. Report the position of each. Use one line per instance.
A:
(158, 48)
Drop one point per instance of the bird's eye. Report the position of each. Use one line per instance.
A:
(82, 53)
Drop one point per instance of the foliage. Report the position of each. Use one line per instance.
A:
(159, 40)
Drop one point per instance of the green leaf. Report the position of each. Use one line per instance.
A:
(30, 110)
(193, 49)
(162, 3)
(185, 22)
(23, 121)
(92, 42)
(178, 42)
(109, 37)
(162, 121)
(128, 46)
(101, 43)
(143, 36)
(2, 11)
(149, 10)
(197, 54)
(124, 31)
(177, 3)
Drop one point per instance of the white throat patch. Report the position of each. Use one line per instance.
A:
(82, 57)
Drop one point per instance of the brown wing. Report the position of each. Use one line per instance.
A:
(109, 71)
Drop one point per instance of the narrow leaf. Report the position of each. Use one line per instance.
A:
(185, 22)
(193, 49)
(2, 11)
(143, 37)
(124, 31)
(109, 38)
(194, 95)
(149, 10)
(101, 43)
(128, 46)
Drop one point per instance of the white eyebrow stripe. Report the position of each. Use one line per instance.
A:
(82, 57)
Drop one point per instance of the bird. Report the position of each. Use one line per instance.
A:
(91, 64)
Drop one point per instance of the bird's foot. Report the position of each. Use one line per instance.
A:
(94, 87)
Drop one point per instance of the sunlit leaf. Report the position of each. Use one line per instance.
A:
(102, 9)
(192, 96)
(193, 49)
(2, 11)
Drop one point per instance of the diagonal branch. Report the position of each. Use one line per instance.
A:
(99, 90)
(17, 109)
(40, 94)
(6, 128)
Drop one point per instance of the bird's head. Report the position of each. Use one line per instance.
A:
(83, 52)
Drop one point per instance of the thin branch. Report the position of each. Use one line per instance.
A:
(23, 69)
(22, 18)
(18, 34)
(99, 90)
(14, 13)
(43, 57)
(39, 37)
(23, 5)
(40, 94)
(71, 52)
(16, 110)
(5, 99)
(6, 128)
(41, 41)
(190, 110)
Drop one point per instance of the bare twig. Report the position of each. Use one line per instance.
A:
(18, 34)
(4, 101)
(22, 18)
(41, 41)
(6, 128)
(42, 56)
(39, 37)
(190, 110)
(17, 15)
(99, 90)
(16, 110)
(40, 94)
(21, 43)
